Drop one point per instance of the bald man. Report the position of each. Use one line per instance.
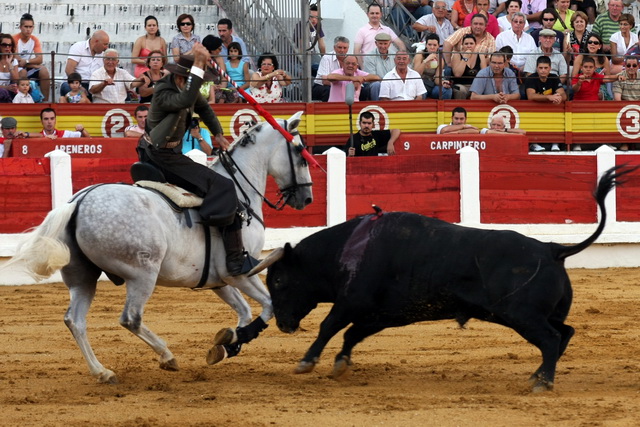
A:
(85, 57)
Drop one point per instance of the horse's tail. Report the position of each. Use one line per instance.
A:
(43, 252)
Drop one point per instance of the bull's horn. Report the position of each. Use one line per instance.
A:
(270, 259)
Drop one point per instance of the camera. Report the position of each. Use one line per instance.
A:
(195, 122)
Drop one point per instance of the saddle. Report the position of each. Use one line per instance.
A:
(147, 176)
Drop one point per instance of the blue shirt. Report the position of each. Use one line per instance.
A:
(483, 83)
(190, 143)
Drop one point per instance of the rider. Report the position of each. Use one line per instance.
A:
(176, 97)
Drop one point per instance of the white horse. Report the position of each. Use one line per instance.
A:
(134, 236)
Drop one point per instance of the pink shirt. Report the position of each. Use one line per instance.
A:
(339, 88)
(493, 27)
(366, 37)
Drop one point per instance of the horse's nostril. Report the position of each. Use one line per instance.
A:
(308, 201)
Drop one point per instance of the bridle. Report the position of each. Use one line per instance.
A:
(285, 194)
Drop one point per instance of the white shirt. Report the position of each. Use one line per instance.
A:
(87, 64)
(620, 44)
(22, 98)
(443, 31)
(395, 89)
(328, 63)
(521, 46)
(111, 94)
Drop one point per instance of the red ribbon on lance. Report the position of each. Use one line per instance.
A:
(267, 116)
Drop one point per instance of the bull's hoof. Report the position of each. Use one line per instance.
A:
(170, 365)
(224, 336)
(216, 354)
(304, 367)
(107, 377)
(341, 369)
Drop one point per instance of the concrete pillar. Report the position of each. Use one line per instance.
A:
(336, 186)
(469, 186)
(61, 186)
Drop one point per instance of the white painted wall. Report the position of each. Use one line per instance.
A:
(341, 18)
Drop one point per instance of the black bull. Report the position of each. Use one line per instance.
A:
(398, 268)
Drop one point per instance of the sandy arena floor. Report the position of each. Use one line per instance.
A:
(428, 374)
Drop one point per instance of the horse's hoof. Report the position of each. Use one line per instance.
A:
(341, 369)
(224, 336)
(542, 386)
(108, 377)
(170, 365)
(216, 354)
(304, 367)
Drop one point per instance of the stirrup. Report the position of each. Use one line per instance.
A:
(248, 263)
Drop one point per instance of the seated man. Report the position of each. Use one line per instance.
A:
(498, 125)
(369, 142)
(110, 84)
(378, 61)
(197, 138)
(48, 119)
(543, 85)
(435, 22)
(458, 123)
(136, 131)
(329, 62)
(9, 127)
(84, 58)
(349, 73)
(29, 50)
(402, 83)
(495, 82)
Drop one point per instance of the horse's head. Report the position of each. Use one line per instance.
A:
(289, 169)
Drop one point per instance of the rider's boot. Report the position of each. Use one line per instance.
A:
(238, 260)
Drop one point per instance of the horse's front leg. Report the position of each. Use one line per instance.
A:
(228, 342)
(225, 342)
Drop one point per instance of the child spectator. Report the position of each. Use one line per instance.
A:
(77, 94)
(23, 96)
(586, 85)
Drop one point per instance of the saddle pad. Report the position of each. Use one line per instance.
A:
(177, 195)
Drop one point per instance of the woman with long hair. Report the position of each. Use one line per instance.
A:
(8, 68)
(186, 38)
(460, 10)
(465, 65)
(146, 44)
(430, 65)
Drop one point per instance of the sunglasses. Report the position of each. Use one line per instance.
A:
(548, 19)
(631, 65)
(6, 45)
(185, 24)
(593, 42)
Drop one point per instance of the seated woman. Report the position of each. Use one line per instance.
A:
(182, 44)
(267, 83)
(465, 65)
(430, 65)
(144, 84)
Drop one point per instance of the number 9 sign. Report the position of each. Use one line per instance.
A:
(115, 122)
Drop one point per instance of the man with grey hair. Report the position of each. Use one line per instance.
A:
(380, 62)
(330, 62)
(521, 42)
(110, 84)
(84, 58)
(436, 22)
(402, 83)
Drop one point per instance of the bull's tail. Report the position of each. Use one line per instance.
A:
(42, 251)
(610, 179)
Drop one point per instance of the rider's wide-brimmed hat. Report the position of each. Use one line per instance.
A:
(183, 68)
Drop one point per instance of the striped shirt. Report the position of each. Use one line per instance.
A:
(605, 27)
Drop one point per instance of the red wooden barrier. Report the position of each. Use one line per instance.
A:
(25, 197)
(489, 144)
(537, 189)
(628, 195)
(429, 185)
